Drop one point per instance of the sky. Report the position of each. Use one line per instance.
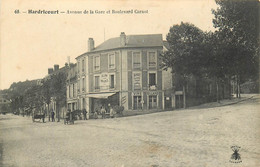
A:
(32, 43)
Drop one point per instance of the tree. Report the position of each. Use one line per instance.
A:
(185, 56)
(46, 93)
(33, 97)
(237, 23)
(58, 89)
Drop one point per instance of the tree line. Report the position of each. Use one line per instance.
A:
(231, 52)
(30, 95)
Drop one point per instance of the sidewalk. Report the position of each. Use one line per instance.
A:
(225, 102)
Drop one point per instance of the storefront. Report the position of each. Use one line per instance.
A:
(96, 101)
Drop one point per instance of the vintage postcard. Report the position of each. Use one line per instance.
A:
(129, 83)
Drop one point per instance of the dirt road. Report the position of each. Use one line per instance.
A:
(193, 137)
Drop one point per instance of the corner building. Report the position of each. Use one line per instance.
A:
(124, 71)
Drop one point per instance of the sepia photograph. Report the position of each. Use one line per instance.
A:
(128, 83)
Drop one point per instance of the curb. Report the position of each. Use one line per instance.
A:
(236, 101)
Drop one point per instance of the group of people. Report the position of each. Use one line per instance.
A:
(103, 112)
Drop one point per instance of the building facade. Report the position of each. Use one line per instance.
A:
(124, 71)
(72, 90)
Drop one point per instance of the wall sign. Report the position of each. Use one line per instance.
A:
(137, 93)
(104, 81)
(137, 81)
(152, 93)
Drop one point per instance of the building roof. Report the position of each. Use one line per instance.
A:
(132, 41)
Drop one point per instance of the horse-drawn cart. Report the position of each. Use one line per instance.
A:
(38, 116)
(71, 116)
(69, 119)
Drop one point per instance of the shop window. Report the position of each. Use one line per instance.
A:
(137, 102)
(96, 63)
(112, 81)
(111, 61)
(136, 60)
(152, 102)
(152, 60)
(97, 86)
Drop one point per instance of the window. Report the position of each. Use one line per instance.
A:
(96, 63)
(97, 82)
(152, 59)
(152, 80)
(69, 91)
(83, 65)
(137, 102)
(78, 85)
(152, 102)
(112, 81)
(136, 60)
(83, 84)
(78, 66)
(111, 61)
(73, 90)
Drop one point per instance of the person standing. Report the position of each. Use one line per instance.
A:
(52, 116)
(103, 112)
(111, 112)
(84, 114)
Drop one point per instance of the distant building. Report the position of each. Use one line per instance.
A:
(121, 71)
(72, 91)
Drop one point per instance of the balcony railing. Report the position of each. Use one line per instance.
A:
(152, 87)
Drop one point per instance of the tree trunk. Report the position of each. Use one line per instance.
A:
(58, 111)
(229, 88)
(237, 86)
(184, 96)
(217, 91)
(48, 105)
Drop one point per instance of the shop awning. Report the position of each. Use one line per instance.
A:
(101, 95)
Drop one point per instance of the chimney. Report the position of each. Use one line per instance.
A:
(122, 39)
(50, 70)
(91, 44)
(56, 67)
